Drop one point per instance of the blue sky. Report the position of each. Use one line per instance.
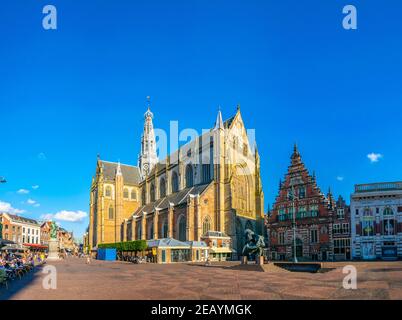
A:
(68, 94)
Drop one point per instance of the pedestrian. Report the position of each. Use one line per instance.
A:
(88, 259)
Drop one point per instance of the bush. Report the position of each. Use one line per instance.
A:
(136, 245)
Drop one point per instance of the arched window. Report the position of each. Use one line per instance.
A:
(152, 192)
(108, 192)
(367, 223)
(206, 225)
(125, 193)
(175, 182)
(150, 234)
(165, 228)
(143, 198)
(189, 176)
(388, 212)
(162, 188)
(133, 195)
(138, 235)
(111, 213)
(182, 228)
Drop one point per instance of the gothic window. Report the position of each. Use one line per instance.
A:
(206, 173)
(182, 228)
(138, 230)
(108, 192)
(206, 225)
(152, 192)
(133, 195)
(388, 211)
(165, 228)
(125, 193)
(189, 176)
(162, 188)
(143, 197)
(111, 213)
(175, 182)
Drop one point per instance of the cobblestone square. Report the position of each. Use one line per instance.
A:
(220, 281)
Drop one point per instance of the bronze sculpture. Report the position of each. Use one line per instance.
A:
(254, 244)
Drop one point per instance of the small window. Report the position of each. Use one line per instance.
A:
(133, 195)
(314, 236)
(125, 193)
(108, 192)
(111, 213)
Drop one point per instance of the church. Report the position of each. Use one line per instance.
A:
(209, 187)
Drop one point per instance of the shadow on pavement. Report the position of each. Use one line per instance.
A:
(14, 286)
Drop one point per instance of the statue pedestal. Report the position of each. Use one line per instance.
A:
(53, 250)
(259, 260)
(244, 260)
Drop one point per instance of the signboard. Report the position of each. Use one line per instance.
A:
(389, 252)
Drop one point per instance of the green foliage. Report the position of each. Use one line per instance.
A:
(137, 245)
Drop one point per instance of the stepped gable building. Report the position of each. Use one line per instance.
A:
(212, 183)
(299, 193)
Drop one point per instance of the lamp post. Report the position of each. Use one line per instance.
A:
(294, 224)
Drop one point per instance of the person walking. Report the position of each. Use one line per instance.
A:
(88, 259)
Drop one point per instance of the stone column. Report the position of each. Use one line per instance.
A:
(198, 218)
(190, 218)
(170, 221)
(143, 226)
(156, 233)
(134, 228)
(125, 238)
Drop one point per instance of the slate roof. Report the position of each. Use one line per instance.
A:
(176, 198)
(131, 174)
(22, 219)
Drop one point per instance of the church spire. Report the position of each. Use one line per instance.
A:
(219, 122)
(148, 157)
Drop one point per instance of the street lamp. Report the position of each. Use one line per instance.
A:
(294, 224)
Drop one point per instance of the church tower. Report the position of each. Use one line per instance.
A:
(147, 158)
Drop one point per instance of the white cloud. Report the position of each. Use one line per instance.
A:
(65, 215)
(6, 207)
(36, 205)
(30, 201)
(23, 191)
(374, 157)
(35, 187)
(339, 178)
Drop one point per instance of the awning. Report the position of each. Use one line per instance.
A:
(222, 250)
(35, 246)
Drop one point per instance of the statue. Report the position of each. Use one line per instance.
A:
(254, 244)
(53, 230)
